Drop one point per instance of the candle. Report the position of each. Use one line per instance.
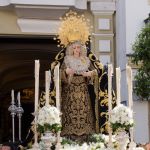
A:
(118, 76)
(56, 74)
(36, 73)
(130, 102)
(12, 96)
(130, 87)
(37, 66)
(18, 98)
(47, 85)
(110, 100)
(109, 87)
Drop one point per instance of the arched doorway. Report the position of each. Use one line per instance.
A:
(17, 55)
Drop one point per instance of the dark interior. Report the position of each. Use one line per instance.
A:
(17, 56)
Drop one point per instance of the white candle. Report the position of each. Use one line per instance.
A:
(110, 87)
(56, 75)
(37, 67)
(130, 102)
(130, 87)
(12, 96)
(18, 98)
(47, 85)
(110, 100)
(118, 77)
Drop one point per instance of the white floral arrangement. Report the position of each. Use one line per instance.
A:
(138, 148)
(121, 118)
(96, 142)
(102, 138)
(92, 146)
(84, 146)
(49, 119)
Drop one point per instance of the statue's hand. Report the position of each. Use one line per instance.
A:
(87, 74)
(70, 71)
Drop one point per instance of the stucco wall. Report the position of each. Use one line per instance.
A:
(141, 121)
(136, 12)
(8, 22)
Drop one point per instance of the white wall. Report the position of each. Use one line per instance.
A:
(121, 45)
(141, 124)
(136, 12)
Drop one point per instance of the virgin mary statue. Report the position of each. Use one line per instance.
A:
(84, 94)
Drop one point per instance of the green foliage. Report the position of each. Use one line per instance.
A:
(141, 54)
(117, 126)
(95, 138)
(47, 127)
(68, 141)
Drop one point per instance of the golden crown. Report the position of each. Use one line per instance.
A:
(73, 27)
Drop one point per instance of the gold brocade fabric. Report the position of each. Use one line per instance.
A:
(100, 87)
(77, 113)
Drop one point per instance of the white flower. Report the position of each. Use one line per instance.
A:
(122, 115)
(75, 147)
(84, 146)
(138, 148)
(48, 114)
(96, 146)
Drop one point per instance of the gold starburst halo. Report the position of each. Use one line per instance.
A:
(73, 27)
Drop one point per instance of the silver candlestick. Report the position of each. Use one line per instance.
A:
(59, 140)
(12, 108)
(20, 111)
(35, 145)
(132, 144)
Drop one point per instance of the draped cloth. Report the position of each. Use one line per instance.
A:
(77, 114)
(98, 93)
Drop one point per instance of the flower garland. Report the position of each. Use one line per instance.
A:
(96, 142)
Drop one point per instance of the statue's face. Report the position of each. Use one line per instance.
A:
(76, 49)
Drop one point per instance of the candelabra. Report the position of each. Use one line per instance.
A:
(35, 145)
(58, 144)
(13, 109)
(132, 144)
(20, 111)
